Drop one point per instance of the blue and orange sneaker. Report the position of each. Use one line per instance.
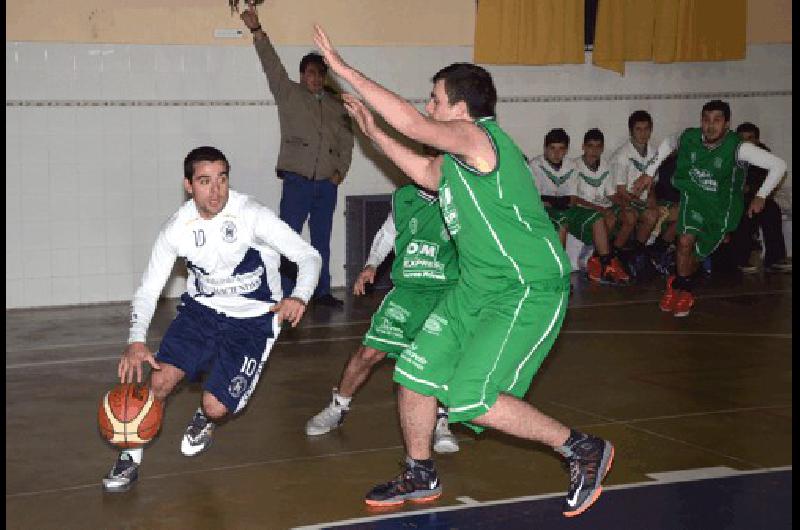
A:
(415, 483)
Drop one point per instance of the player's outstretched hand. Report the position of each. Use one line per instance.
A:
(290, 309)
(366, 276)
(756, 205)
(360, 113)
(131, 362)
(330, 54)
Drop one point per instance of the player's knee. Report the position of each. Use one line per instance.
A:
(650, 216)
(629, 217)
(213, 409)
(370, 356)
(160, 385)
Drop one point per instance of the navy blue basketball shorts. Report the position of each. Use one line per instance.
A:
(232, 351)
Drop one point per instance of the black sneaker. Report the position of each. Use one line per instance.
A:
(415, 483)
(589, 460)
(122, 475)
(197, 437)
(328, 300)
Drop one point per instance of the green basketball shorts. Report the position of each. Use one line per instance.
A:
(702, 219)
(476, 345)
(556, 216)
(400, 317)
(580, 221)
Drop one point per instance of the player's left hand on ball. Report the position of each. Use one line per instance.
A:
(289, 309)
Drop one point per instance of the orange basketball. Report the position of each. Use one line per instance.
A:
(129, 415)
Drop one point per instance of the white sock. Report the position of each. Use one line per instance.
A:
(344, 402)
(135, 453)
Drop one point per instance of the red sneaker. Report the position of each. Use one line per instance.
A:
(616, 272)
(683, 304)
(667, 303)
(593, 269)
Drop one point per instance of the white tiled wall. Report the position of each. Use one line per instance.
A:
(87, 187)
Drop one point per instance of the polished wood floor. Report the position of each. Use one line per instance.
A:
(698, 395)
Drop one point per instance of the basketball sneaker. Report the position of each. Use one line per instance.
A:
(667, 303)
(614, 273)
(415, 483)
(683, 304)
(197, 437)
(589, 460)
(783, 265)
(122, 475)
(328, 419)
(443, 439)
(594, 269)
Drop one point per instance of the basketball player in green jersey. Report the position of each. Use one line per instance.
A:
(483, 343)
(424, 268)
(709, 174)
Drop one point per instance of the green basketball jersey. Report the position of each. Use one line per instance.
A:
(498, 221)
(711, 178)
(424, 251)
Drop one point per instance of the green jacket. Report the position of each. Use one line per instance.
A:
(316, 134)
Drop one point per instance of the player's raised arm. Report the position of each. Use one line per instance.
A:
(423, 170)
(454, 133)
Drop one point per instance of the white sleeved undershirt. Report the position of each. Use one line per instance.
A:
(383, 243)
(277, 234)
(162, 258)
(667, 146)
(776, 167)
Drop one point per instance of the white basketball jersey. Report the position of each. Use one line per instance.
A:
(232, 259)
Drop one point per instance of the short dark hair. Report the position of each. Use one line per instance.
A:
(748, 127)
(204, 153)
(471, 84)
(718, 104)
(594, 134)
(556, 136)
(637, 116)
(313, 58)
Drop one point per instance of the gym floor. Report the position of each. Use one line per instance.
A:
(699, 410)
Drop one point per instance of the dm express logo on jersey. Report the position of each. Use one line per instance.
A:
(421, 260)
(228, 232)
(704, 179)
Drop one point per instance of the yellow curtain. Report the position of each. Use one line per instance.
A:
(666, 31)
(532, 32)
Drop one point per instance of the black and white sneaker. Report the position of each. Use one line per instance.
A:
(589, 460)
(328, 418)
(416, 483)
(197, 437)
(122, 475)
(443, 439)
